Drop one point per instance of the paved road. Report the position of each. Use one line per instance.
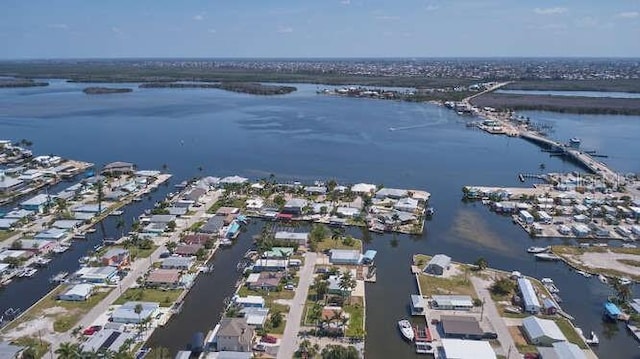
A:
(289, 339)
(491, 312)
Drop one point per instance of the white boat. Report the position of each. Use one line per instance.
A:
(603, 279)
(116, 213)
(28, 272)
(551, 287)
(91, 230)
(593, 340)
(42, 261)
(406, 329)
(625, 281)
(538, 249)
(547, 257)
(584, 274)
(59, 278)
(424, 348)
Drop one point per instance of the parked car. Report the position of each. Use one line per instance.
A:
(269, 339)
(92, 330)
(490, 335)
(260, 348)
(289, 287)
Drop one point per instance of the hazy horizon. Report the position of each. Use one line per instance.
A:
(76, 29)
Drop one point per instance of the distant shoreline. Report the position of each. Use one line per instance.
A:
(105, 90)
(251, 88)
(17, 83)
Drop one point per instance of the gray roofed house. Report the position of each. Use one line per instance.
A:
(234, 335)
(108, 339)
(233, 180)
(66, 223)
(315, 189)
(19, 214)
(452, 302)
(8, 223)
(462, 327)
(391, 193)
(177, 211)
(177, 263)
(438, 264)
(8, 184)
(117, 168)
(295, 205)
(345, 256)
(296, 237)
(213, 225)
(542, 332)
(562, 350)
(162, 218)
(195, 194)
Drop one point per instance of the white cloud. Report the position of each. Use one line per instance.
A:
(387, 17)
(117, 30)
(284, 29)
(199, 17)
(628, 14)
(212, 31)
(59, 26)
(345, 2)
(586, 21)
(432, 7)
(550, 10)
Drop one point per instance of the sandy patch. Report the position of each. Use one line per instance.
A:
(31, 328)
(608, 260)
(54, 311)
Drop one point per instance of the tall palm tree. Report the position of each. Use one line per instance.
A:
(138, 310)
(347, 283)
(68, 351)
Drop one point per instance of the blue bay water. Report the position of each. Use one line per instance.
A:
(305, 136)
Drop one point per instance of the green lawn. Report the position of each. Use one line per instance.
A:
(570, 333)
(227, 202)
(355, 328)
(458, 284)
(6, 234)
(142, 253)
(40, 346)
(62, 321)
(165, 298)
(329, 243)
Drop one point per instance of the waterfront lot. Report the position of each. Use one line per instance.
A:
(164, 297)
(611, 261)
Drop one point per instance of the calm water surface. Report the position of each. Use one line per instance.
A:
(599, 94)
(306, 136)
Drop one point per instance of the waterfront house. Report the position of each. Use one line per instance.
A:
(369, 256)
(406, 205)
(126, 313)
(526, 217)
(37, 246)
(9, 184)
(14, 253)
(461, 327)
(180, 263)
(66, 224)
(294, 206)
(77, 293)
(363, 188)
(255, 203)
(438, 264)
(315, 190)
(544, 217)
(542, 332)
(268, 281)
(196, 238)
(115, 257)
(278, 253)
(97, 275)
(233, 180)
(8, 223)
(118, 168)
(562, 350)
(161, 218)
(177, 211)
(51, 234)
(292, 237)
(31, 175)
(345, 257)
(187, 250)
(269, 265)
(250, 301)
(581, 218)
(256, 317)
(234, 335)
(530, 301)
(333, 286)
(165, 278)
(225, 211)
(213, 225)
(451, 302)
(36, 204)
(20, 214)
(467, 349)
(107, 339)
(393, 193)
(612, 312)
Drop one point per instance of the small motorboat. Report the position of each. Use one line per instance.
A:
(547, 257)
(584, 274)
(603, 279)
(406, 329)
(551, 287)
(625, 281)
(538, 249)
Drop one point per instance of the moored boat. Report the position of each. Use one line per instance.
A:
(603, 279)
(551, 287)
(547, 257)
(406, 330)
(538, 249)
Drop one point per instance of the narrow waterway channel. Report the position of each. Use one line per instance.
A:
(204, 303)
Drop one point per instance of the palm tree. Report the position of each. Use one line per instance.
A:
(68, 351)
(347, 283)
(622, 291)
(138, 310)
(481, 263)
(321, 287)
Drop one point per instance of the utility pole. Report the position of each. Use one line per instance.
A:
(482, 310)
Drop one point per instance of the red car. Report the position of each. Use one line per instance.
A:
(92, 330)
(269, 339)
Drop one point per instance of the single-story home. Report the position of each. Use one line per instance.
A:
(118, 168)
(438, 264)
(452, 302)
(294, 237)
(542, 332)
(8, 223)
(181, 263)
(264, 280)
(269, 265)
(562, 350)
(278, 253)
(163, 278)
(37, 246)
(345, 256)
(462, 327)
(78, 292)
(195, 238)
(253, 301)
(36, 203)
(98, 275)
(51, 233)
(255, 316)
(467, 349)
(126, 313)
(187, 249)
(115, 257)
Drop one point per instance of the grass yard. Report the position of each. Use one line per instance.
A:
(355, 328)
(570, 333)
(329, 243)
(6, 234)
(227, 202)
(268, 296)
(431, 285)
(66, 319)
(142, 253)
(166, 298)
(40, 347)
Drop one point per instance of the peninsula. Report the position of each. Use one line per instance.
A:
(13, 83)
(105, 90)
(241, 87)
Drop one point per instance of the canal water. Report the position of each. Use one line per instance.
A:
(305, 136)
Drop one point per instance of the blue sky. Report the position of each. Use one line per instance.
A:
(320, 28)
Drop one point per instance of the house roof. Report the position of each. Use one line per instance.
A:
(38, 200)
(8, 350)
(127, 311)
(453, 300)
(345, 255)
(187, 249)
(162, 218)
(255, 316)
(177, 262)
(467, 349)
(7, 182)
(537, 328)
(295, 203)
(82, 290)
(213, 225)
(115, 252)
(196, 238)
(391, 192)
(440, 260)
(463, 325)
(562, 350)
(236, 327)
(291, 236)
(117, 165)
(250, 299)
(233, 179)
(164, 276)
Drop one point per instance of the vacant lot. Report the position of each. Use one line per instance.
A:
(164, 297)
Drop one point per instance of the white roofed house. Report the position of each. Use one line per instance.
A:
(9, 184)
(233, 180)
(391, 193)
(345, 256)
(438, 264)
(78, 292)
(294, 237)
(126, 313)
(295, 206)
(363, 188)
(406, 205)
(530, 301)
(36, 203)
(118, 168)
